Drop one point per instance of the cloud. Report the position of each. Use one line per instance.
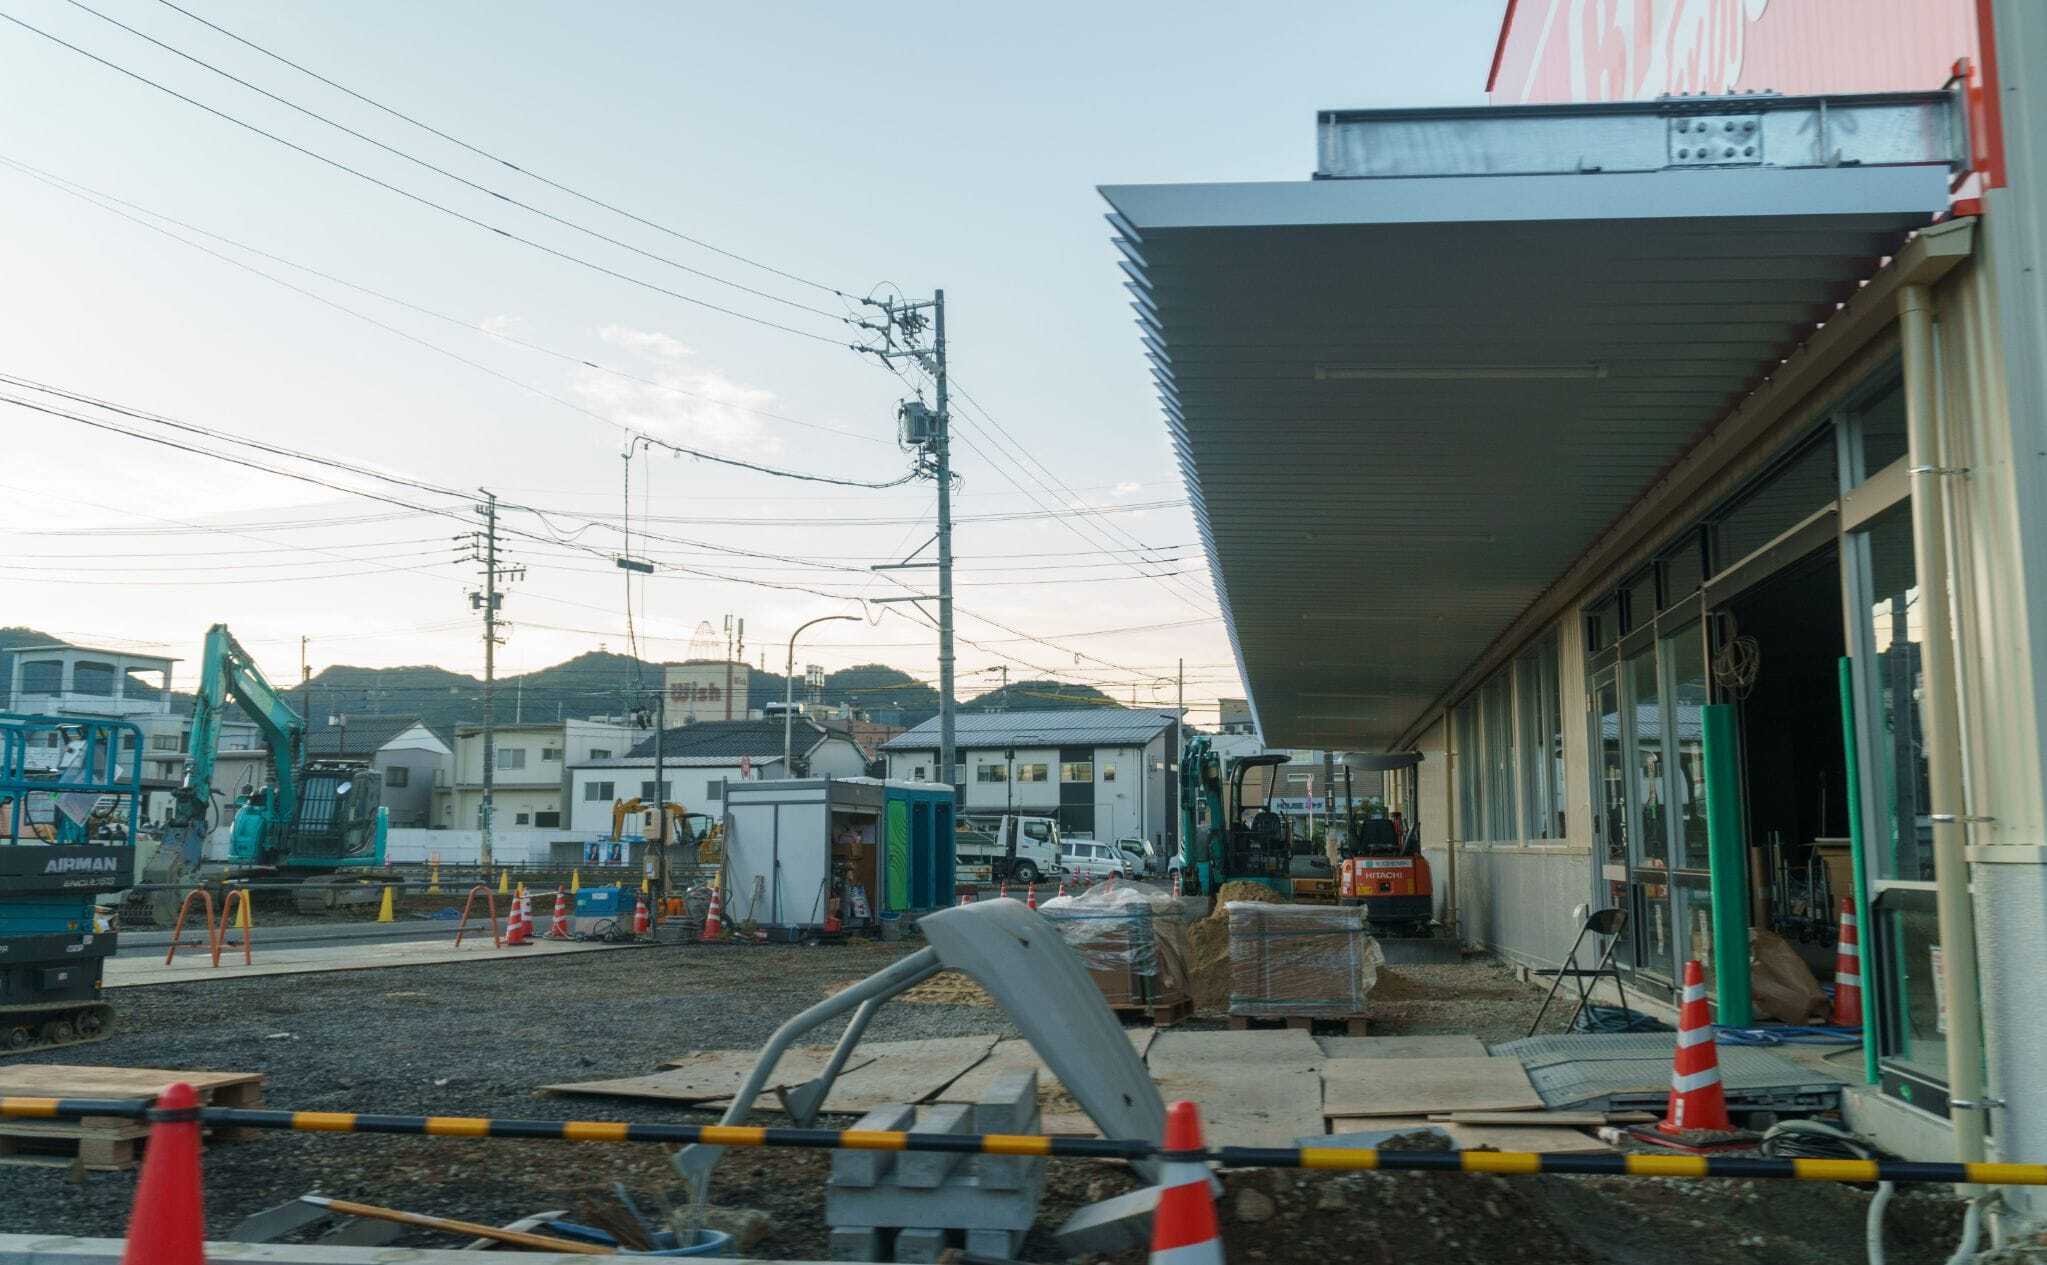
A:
(674, 396)
(502, 323)
(1127, 488)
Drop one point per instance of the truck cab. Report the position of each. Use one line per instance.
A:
(1018, 848)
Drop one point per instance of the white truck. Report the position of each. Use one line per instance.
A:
(1008, 846)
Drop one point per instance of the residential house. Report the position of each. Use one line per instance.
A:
(697, 760)
(412, 756)
(88, 681)
(1108, 771)
(530, 783)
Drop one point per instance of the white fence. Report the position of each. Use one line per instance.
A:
(410, 846)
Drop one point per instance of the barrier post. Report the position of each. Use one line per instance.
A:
(491, 907)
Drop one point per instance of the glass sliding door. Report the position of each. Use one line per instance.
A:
(1650, 811)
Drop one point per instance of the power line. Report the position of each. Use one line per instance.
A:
(457, 177)
(101, 199)
(423, 200)
(528, 172)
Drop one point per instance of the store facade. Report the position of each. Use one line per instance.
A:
(1699, 439)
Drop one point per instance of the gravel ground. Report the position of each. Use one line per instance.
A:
(476, 1040)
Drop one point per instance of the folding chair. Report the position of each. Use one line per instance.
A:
(1604, 922)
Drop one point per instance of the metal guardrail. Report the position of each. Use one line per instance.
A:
(1340, 1159)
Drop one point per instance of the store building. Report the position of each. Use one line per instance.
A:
(1707, 443)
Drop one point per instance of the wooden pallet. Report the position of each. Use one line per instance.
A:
(1326, 1025)
(1157, 1015)
(109, 1143)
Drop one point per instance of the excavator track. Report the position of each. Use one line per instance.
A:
(39, 1026)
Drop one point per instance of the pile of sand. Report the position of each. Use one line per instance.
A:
(1208, 942)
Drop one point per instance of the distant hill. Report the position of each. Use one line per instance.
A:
(597, 684)
(1019, 696)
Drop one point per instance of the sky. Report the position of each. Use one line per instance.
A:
(780, 162)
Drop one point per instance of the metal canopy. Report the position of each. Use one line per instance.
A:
(1403, 405)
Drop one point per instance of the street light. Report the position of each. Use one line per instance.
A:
(789, 687)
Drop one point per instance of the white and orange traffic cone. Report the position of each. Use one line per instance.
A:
(516, 931)
(1183, 1227)
(966, 898)
(1698, 1103)
(1002, 890)
(1848, 970)
(714, 917)
(640, 916)
(1031, 897)
(1062, 887)
(1176, 884)
(560, 930)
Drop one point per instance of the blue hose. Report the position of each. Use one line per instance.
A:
(1789, 1036)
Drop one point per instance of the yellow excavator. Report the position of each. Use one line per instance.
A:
(709, 838)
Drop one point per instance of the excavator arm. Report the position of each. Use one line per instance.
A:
(228, 672)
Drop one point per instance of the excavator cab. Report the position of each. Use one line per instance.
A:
(1260, 841)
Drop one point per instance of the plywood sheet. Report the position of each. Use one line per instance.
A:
(1416, 1087)
(63, 1080)
(1257, 1088)
(1477, 1137)
(712, 1076)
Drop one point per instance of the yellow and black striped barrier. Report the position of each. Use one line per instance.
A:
(1328, 1158)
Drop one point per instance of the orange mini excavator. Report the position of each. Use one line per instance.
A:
(1384, 870)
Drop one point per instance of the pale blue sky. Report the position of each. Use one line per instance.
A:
(918, 144)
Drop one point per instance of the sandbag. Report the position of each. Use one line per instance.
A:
(1781, 985)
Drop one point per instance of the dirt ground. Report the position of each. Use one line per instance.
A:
(474, 1039)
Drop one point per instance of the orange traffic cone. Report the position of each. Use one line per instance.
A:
(518, 929)
(1848, 970)
(1698, 1104)
(1002, 889)
(560, 930)
(1031, 897)
(714, 917)
(966, 898)
(1183, 1228)
(640, 916)
(1062, 887)
(168, 1225)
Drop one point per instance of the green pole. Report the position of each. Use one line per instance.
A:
(1853, 754)
(1727, 856)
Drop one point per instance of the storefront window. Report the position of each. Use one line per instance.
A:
(1611, 794)
(1684, 570)
(1914, 1031)
(1645, 704)
(1902, 834)
(1688, 701)
(1496, 701)
(1803, 486)
(1642, 599)
(1880, 430)
(1470, 771)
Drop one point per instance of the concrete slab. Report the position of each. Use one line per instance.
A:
(1466, 1137)
(711, 1076)
(1382, 1087)
(1422, 1047)
(195, 965)
(1258, 1088)
(868, 1168)
(927, 1170)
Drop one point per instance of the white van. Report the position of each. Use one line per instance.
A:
(1092, 860)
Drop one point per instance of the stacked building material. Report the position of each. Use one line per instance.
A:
(1133, 941)
(913, 1205)
(1300, 961)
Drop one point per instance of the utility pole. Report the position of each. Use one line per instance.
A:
(484, 550)
(660, 788)
(929, 431)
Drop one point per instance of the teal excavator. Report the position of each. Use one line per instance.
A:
(1237, 845)
(318, 825)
